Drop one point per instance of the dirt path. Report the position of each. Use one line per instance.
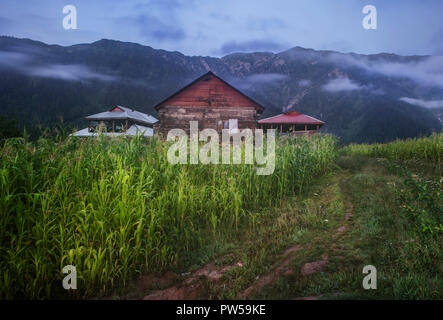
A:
(193, 285)
(336, 247)
(281, 268)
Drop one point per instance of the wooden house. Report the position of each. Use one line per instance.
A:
(292, 122)
(212, 102)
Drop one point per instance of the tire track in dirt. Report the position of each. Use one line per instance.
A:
(281, 268)
(317, 266)
(278, 269)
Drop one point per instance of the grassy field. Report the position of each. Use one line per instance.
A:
(428, 149)
(116, 208)
(135, 225)
(380, 233)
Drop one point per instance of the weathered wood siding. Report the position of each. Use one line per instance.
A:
(210, 101)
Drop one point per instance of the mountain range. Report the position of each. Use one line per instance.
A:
(362, 98)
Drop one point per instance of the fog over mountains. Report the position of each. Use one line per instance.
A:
(362, 98)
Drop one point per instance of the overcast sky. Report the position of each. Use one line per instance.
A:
(219, 27)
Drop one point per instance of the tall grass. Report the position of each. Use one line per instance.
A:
(116, 207)
(419, 197)
(429, 149)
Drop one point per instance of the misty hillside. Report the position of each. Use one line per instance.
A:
(362, 98)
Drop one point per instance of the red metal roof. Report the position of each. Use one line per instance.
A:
(292, 117)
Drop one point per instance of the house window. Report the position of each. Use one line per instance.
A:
(300, 127)
(233, 125)
(312, 127)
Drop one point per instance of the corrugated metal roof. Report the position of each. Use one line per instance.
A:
(132, 131)
(127, 113)
(292, 117)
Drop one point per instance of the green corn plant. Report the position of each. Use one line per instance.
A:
(115, 207)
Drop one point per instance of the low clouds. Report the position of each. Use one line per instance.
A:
(425, 71)
(342, 84)
(259, 79)
(428, 72)
(12, 59)
(23, 63)
(266, 77)
(430, 104)
(67, 72)
(251, 46)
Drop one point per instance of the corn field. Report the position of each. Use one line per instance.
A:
(115, 207)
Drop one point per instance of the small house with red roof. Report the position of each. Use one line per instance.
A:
(292, 121)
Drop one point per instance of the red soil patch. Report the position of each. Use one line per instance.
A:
(341, 229)
(210, 271)
(278, 269)
(190, 288)
(313, 267)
